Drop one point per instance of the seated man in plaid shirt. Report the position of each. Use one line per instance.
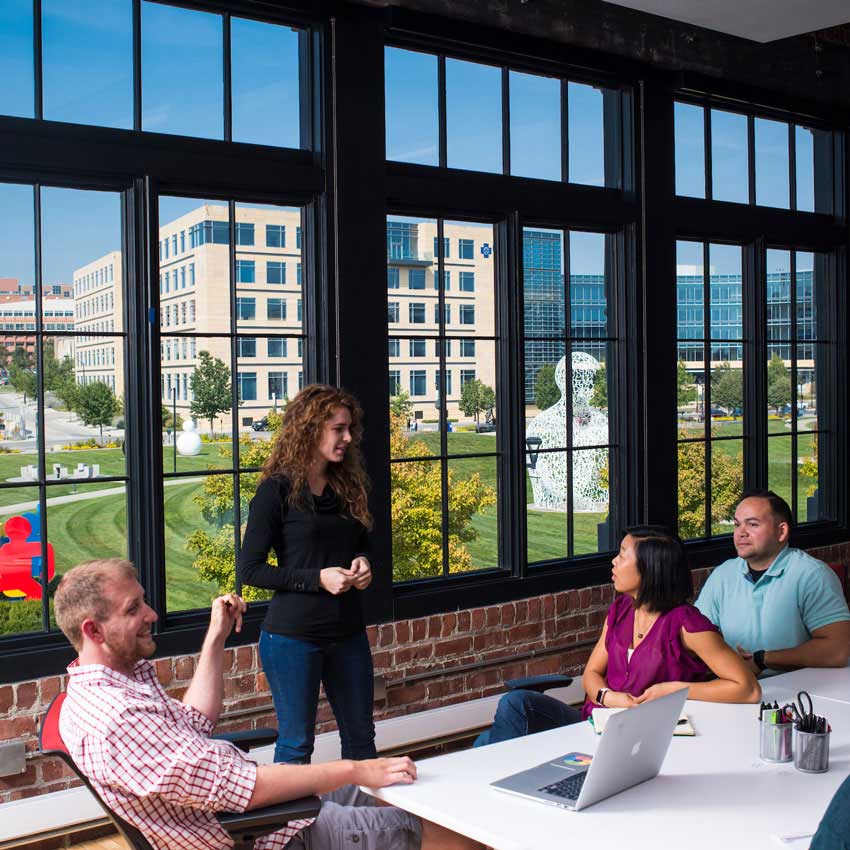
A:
(150, 758)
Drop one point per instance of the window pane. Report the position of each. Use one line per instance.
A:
(588, 285)
(779, 466)
(690, 150)
(779, 390)
(187, 586)
(473, 514)
(20, 399)
(194, 265)
(544, 303)
(725, 262)
(83, 291)
(265, 80)
(729, 159)
(474, 310)
(17, 94)
(590, 502)
(546, 523)
(195, 369)
(196, 38)
(416, 511)
(727, 389)
(692, 489)
(811, 288)
(545, 403)
(274, 289)
(82, 84)
(810, 507)
(813, 155)
(412, 106)
(812, 363)
(727, 483)
(472, 398)
(779, 297)
(772, 172)
(535, 126)
(21, 608)
(473, 116)
(587, 134)
(91, 523)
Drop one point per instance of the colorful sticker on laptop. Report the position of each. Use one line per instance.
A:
(576, 759)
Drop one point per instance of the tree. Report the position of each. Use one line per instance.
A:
(59, 375)
(96, 404)
(401, 405)
(600, 389)
(22, 373)
(168, 419)
(210, 383)
(215, 555)
(727, 388)
(546, 392)
(778, 383)
(686, 391)
(476, 398)
(416, 510)
(727, 482)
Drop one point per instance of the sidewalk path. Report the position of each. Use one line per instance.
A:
(21, 507)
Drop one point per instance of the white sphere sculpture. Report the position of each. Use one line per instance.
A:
(189, 442)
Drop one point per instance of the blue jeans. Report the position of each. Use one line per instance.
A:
(295, 668)
(524, 713)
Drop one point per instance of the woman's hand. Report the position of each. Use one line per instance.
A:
(662, 689)
(619, 699)
(336, 580)
(362, 570)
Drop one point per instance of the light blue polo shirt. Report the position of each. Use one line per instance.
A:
(796, 595)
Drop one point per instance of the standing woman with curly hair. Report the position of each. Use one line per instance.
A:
(311, 508)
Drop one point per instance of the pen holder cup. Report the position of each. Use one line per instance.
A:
(775, 741)
(811, 751)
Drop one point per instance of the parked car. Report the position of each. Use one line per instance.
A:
(485, 427)
(261, 424)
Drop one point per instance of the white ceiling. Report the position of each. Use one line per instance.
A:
(758, 20)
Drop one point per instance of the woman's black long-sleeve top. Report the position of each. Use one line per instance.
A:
(305, 541)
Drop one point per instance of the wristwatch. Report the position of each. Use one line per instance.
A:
(600, 695)
(758, 658)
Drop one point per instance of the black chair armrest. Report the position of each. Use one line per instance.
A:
(247, 739)
(539, 683)
(270, 818)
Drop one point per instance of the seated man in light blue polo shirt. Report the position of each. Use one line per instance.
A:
(778, 607)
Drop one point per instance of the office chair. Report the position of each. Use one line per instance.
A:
(243, 827)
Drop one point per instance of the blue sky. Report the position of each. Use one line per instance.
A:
(87, 51)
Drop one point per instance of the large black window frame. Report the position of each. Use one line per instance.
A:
(344, 245)
(513, 203)
(759, 230)
(142, 166)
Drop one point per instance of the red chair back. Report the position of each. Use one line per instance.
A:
(51, 744)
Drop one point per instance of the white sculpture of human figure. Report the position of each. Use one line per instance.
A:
(189, 442)
(590, 428)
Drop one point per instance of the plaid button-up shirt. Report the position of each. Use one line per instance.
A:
(151, 761)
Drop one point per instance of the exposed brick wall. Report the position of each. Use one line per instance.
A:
(426, 662)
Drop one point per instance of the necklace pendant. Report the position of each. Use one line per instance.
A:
(640, 636)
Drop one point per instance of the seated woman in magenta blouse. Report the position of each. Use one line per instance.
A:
(653, 643)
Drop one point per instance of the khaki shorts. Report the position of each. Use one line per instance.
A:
(351, 820)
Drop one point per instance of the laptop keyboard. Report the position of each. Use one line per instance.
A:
(568, 788)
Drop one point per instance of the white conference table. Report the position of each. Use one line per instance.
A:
(713, 791)
(832, 683)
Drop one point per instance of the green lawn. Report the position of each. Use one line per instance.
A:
(83, 529)
(111, 461)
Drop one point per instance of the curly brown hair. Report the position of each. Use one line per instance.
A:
(299, 435)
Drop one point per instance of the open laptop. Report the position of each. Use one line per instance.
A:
(631, 750)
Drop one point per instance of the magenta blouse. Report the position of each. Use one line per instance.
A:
(659, 657)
